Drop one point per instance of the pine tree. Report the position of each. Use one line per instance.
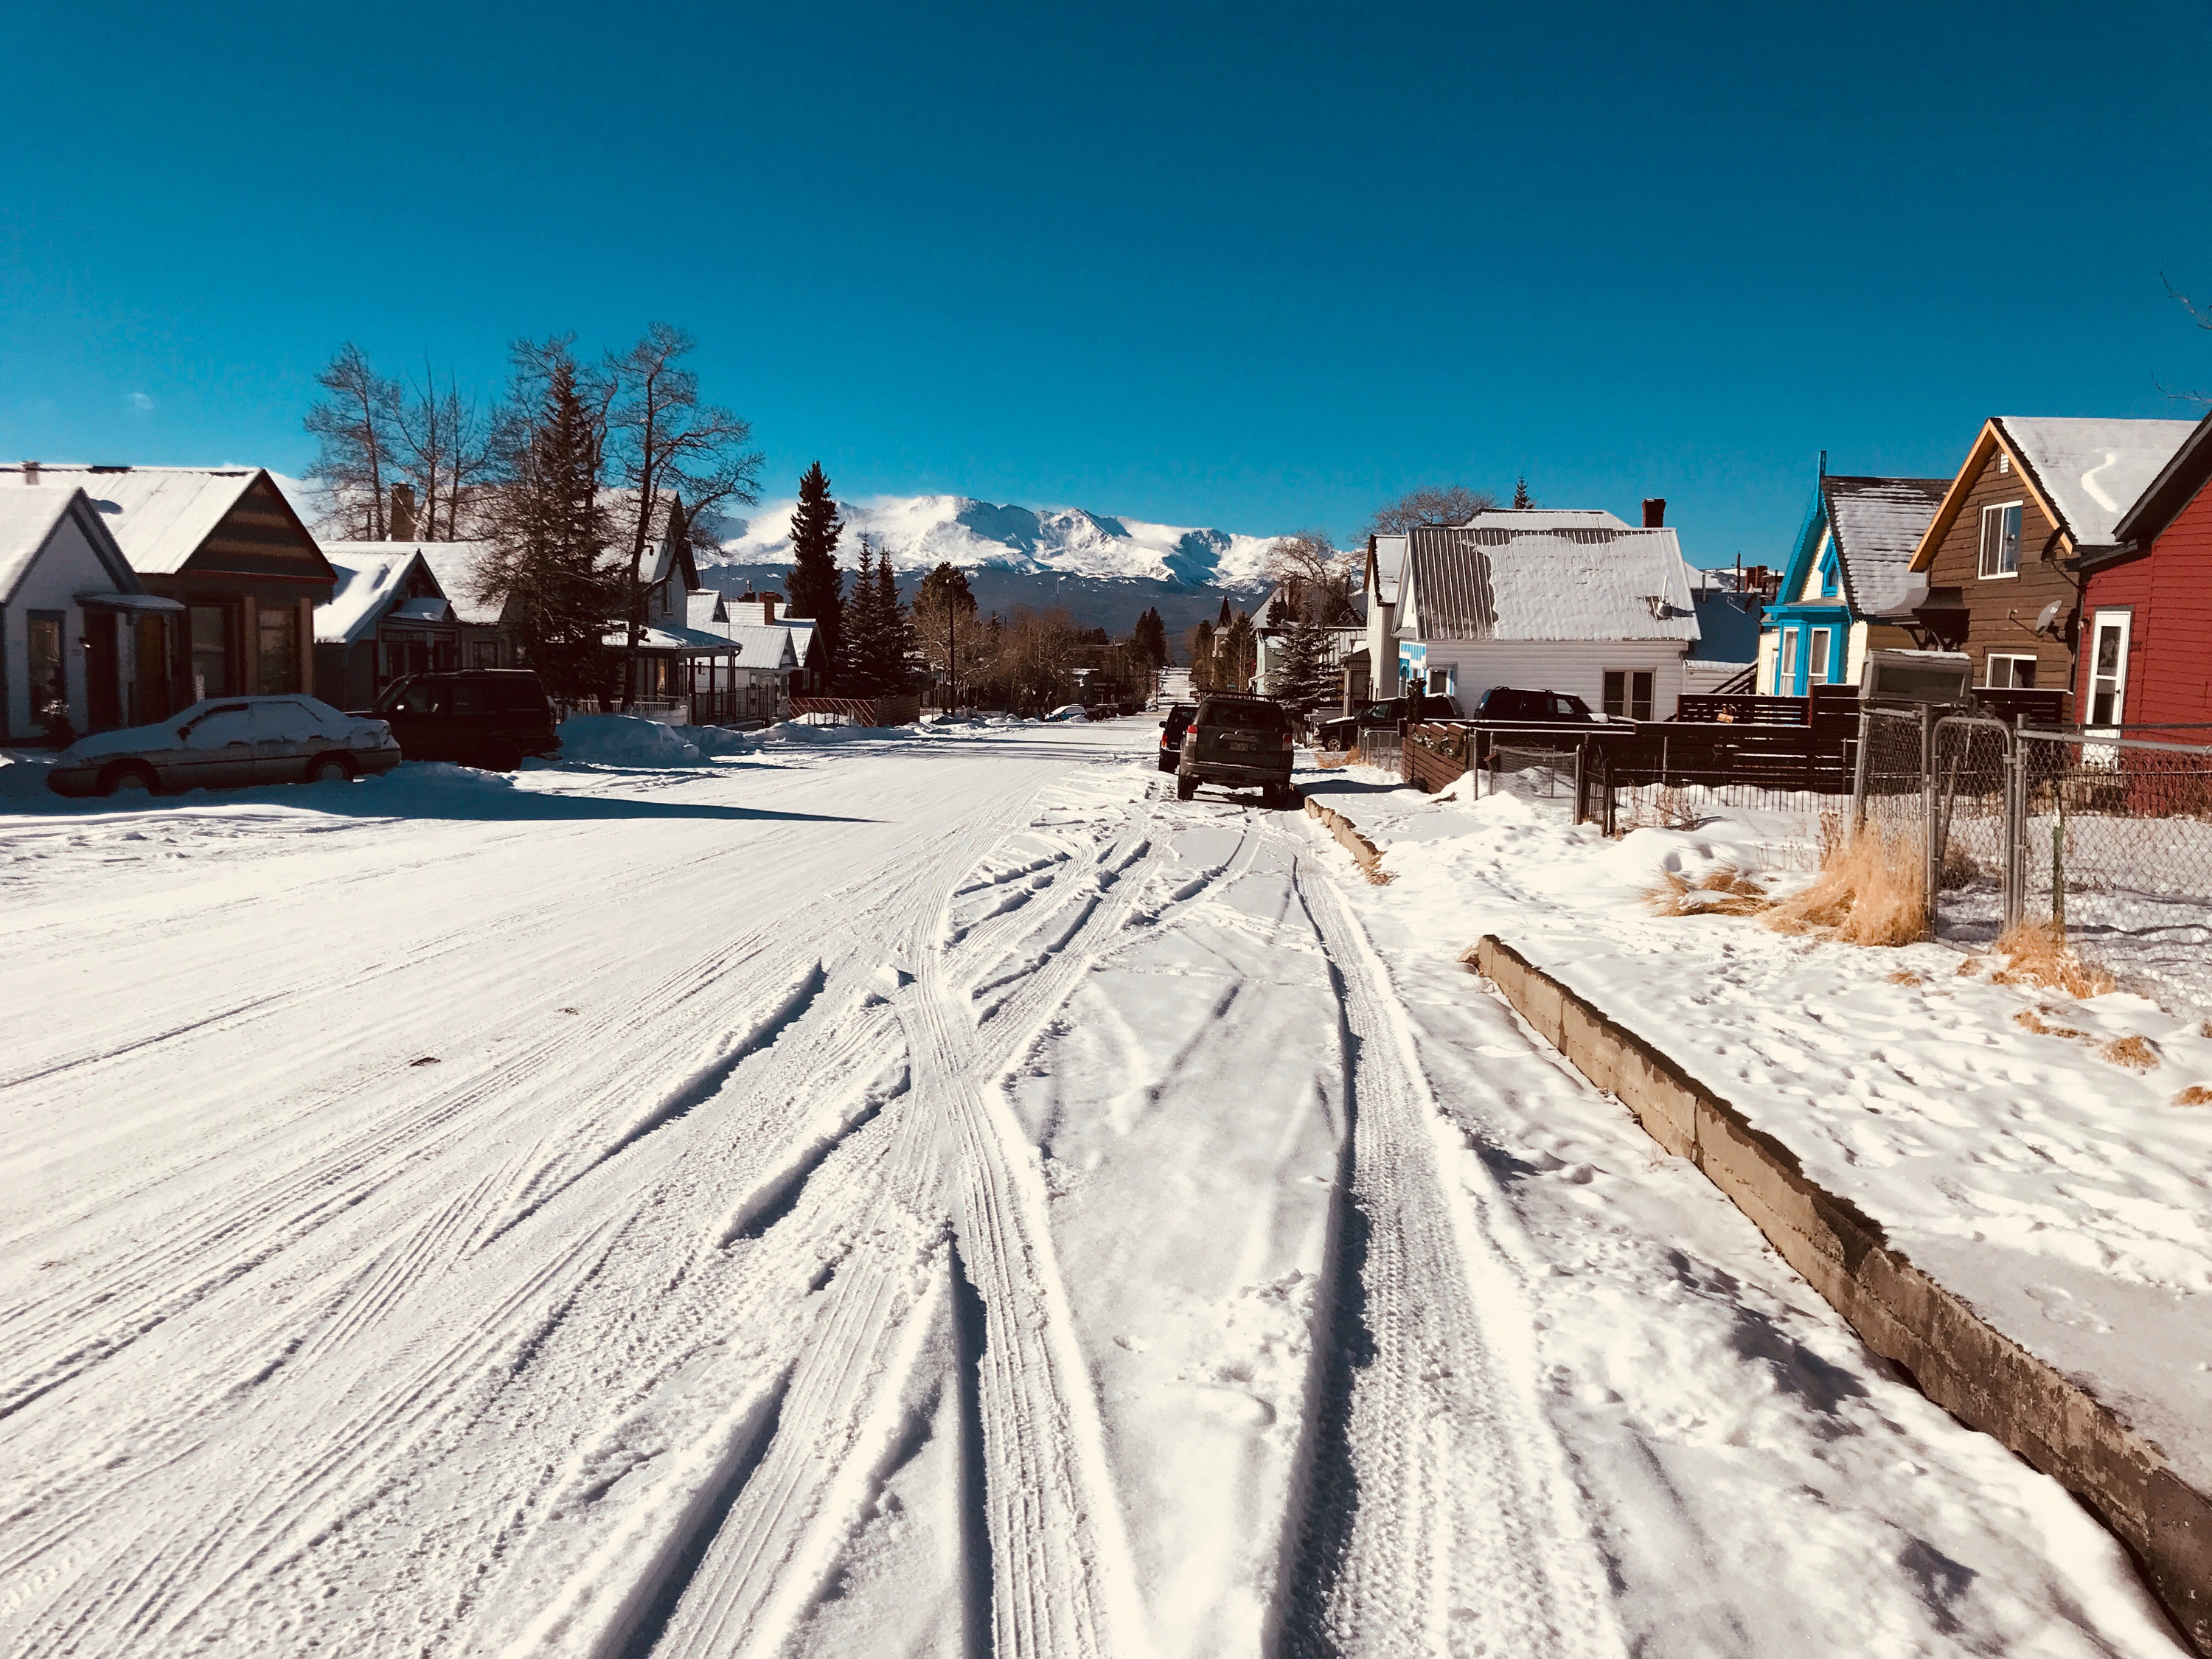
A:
(817, 587)
(1305, 680)
(549, 532)
(1520, 496)
(862, 650)
(901, 643)
(1149, 640)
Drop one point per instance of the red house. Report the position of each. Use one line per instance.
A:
(2146, 653)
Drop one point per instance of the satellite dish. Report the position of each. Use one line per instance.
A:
(2047, 617)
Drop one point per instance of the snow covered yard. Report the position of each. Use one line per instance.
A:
(924, 1192)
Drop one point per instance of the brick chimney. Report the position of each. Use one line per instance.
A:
(1655, 512)
(30, 472)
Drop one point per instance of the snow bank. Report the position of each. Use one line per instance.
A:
(2063, 1194)
(629, 740)
(23, 776)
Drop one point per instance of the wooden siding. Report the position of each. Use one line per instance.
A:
(2001, 611)
(259, 537)
(2169, 591)
(1573, 667)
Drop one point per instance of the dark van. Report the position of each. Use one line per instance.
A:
(487, 717)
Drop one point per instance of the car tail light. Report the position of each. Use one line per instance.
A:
(1289, 742)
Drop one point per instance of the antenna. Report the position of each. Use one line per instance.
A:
(1823, 462)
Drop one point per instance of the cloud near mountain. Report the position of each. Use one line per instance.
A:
(918, 532)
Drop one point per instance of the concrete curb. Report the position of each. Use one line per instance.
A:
(1972, 1371)
(1363, 851)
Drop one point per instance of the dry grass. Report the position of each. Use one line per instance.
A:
(2194, 1094)
(1329, 761)
(1868, 891)
(2034, 1021)
(2039, 955)
(1724, 891)
(2132, 1052)
(1960, 868)
(1906, 976)
(1969, 967)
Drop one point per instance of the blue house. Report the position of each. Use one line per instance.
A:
(1849, 585)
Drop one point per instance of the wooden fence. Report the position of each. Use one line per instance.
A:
(862, 711)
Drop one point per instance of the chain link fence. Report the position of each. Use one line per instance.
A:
(2103, 839)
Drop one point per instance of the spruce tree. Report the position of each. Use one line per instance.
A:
(817, 588)
(1521, 495)
(900, 641)
(1306, 677)
(1149, 640)
(861, 657)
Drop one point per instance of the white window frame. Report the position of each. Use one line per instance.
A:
(1821, 656)
(1785, 663)
(1628, 698)
(2121, 623)
(2009, 682)
(1982, 558)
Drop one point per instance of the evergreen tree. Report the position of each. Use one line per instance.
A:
(817, 587)
(901, 641)
(1149, 641)
(549, 532)
(1236, 654)
(1202, 657)
(1521, 495)
(1305, 678)
(860, 656)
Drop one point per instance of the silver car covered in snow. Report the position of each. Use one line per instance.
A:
(228, 743)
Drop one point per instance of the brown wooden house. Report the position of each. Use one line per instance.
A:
(224, 543)
(2035, 494)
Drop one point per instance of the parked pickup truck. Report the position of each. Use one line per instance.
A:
(1344, 730)
(1243, 742)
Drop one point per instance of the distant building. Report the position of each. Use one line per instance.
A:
(1848, 585)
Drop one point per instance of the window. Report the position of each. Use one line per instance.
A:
(2001, 540)
(2010, 673)
(285, 722)
(278, 626)
(2108, 669)
(1628, 693)
(1785, 680)
(1440, 682)
(220, 727)
(1828, 579)
(49, 667)
(1820, 661)
(211, 629)
(484, 653)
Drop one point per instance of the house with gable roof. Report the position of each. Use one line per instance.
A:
(2035, 495)
(71, 608)
(1848, 585)
(388, 618)
(225, 544)
(1567, 600)
(2147, 603)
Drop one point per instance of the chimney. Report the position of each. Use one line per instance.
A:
(768, 603)
(30, 472)
(1655, 512)
(402, 525)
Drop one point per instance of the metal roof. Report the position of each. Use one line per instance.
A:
(1578, 582)
(459, 566)
(159, 515)
(1877, 524)
(28, 519)
(2092, 472)
(1522, 519)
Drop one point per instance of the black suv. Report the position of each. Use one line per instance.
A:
(1343, 731)
(1171, 731)
(488, 717)
(1245, 742)
(1504, 702)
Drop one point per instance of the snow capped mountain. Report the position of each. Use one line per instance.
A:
(918, 532)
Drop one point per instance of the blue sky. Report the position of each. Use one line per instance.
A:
(1251, 266)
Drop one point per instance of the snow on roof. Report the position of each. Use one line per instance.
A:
(1584, 582)
(27, 521)
(1522, 519)
(704, 608)
(371, 577)
(1390, 560)
(2091, 471)
(801, 630)
(459, 567)
(159, 515)
(765, 645)
(1877, 524)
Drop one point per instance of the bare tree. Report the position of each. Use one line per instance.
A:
(662, 440)
(443, 450)
(2202, 316)
(355, 422)
(1314, 576)
(1430, 504)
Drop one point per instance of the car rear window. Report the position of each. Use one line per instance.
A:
(1254, 716)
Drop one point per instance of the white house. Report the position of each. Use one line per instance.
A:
(69, 600)
(1575, 602)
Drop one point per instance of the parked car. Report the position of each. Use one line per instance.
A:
(1343, 731)
(487, 717)
(1071, 712)
(227, 742)
(1506, 702)
(1243, 742)
(1171, 731)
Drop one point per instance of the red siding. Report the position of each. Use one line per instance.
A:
(2170, 635)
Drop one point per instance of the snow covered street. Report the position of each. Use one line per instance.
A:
(924, 1192)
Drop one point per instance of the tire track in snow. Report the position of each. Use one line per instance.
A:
(1438, 1516)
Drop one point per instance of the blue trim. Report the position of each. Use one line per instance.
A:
(1801, 622)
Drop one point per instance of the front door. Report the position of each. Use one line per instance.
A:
(103, 672)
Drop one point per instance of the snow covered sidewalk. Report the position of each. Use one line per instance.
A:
(923, 1192)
